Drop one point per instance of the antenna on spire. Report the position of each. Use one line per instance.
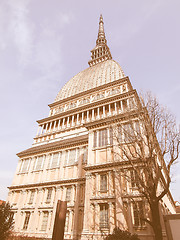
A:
(101, 52)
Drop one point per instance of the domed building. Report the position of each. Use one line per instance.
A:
(72, 158)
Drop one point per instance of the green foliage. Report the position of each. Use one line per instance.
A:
(6, 221)
(119, 234)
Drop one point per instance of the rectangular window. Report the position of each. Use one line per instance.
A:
(134, 179)
(85, 154)
(119, 134)
(77, 155)
(49, 193)
(111, 136)
(44, 221)
(129, 132)
(24, 166)
(126, 130)
(103, 183)
(31, 197)
(55, 160)
(104, 223)
(72, 157)
(137, 129)
(138, 212)
(68, 194)
(38, 164)
(26, 221)
(102, 137)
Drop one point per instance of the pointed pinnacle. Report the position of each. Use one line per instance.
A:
(101, 28)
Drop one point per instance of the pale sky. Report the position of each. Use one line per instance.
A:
(43, 43)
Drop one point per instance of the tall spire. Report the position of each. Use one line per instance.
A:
(101, 52)
(101, 34)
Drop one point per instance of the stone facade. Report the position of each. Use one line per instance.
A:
(72, 158)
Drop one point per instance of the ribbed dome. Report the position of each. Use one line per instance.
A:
(92, 77)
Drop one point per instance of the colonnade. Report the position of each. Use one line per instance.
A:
(86, 116)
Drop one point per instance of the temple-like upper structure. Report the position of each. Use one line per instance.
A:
(101, 52)
(102, 69)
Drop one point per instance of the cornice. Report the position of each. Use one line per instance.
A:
(121, 80)
(44, 184)
(67, 129)
(88, 106)
(106, 165)
(54, 146)
(113, 119)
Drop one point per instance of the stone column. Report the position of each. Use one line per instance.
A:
(49, 221)
(109, 109)
(115, 108)
(73, 194)
(68, 122)
(59, 124)
(38, 228)
(86, 226)
(96, 184)
(104, 111)
(82, 117)
(111, 217)
(63, 125)
(38, 131)
(110, 185)
(93, 114)
(88, 116)
(54, 128)
(121, 106)
(129, 216)
(78, 119)
(50, 126)
(97, 216)
(128, 104)
(42, 129)
(35, 197)
(98, 116)
(41, 196)
(46, 127)
(73, 121)
(21, 221)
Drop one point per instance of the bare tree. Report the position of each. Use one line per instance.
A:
(149, 143)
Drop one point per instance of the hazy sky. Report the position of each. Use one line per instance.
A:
(43, 43)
